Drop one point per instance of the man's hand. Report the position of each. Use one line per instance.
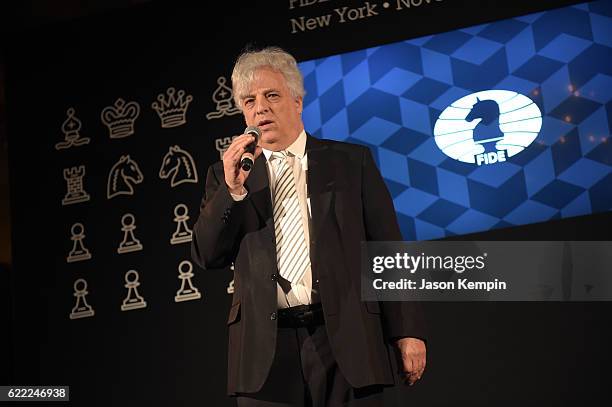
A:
(414, 355)
(235, 176)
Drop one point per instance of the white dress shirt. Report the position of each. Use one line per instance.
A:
(289, 294)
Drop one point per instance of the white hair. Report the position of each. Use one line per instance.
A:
(273, 58)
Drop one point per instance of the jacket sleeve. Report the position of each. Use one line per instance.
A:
(216, 231)
(400, 318)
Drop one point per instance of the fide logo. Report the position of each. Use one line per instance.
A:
(488, 127)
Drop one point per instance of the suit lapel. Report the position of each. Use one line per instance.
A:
(258, 185)
(321, 183)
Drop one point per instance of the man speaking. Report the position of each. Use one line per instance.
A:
(299, 335)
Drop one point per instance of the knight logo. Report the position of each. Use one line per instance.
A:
(488, 127)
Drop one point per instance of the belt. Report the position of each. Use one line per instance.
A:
(301, 316)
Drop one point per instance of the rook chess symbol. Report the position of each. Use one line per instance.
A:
(71, 128)
(129, 243)
(120, 118)
(74, 180)
(132, 300)
(187, 291)
(81, 309)
(79, 251)
(224, 99)
(179, 164)
(183, 233)
(172, 109)
(222, 144)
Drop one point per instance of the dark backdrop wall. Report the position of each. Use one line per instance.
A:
(161, 343)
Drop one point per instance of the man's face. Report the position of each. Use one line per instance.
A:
(270, 106)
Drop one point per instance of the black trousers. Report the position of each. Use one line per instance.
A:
(304, 373)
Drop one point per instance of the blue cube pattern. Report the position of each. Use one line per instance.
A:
(389, 98)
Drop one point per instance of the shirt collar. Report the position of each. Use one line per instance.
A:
(298, 148)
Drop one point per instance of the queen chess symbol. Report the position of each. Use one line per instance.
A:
(172, 107)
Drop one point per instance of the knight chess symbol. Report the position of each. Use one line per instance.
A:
(183, 233)
(129, 243)
(133, 299)
(488, 127)
(120, 118)
(187, 291)
(74, 180)
(122, 177)
(223, 97)
(71, 129)
(172, 107)
(178, 164)
(222, 144)
(79, 252)
(81, 309)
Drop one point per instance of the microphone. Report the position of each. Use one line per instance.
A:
(247, 160)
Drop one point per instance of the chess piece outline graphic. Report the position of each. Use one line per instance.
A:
(179, 164)
(81, 308)
(191, 292)
(129, 243)
(74, 185)
(172, 110)
(120, 118)
(71, 129)
(222, 144)
(133, 299)
(122, 176)
(182, 234)
(223, 97)
(79, 252)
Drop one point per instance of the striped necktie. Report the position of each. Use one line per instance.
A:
(291, 249)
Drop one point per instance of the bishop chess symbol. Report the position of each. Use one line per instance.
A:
(79, 252)
(71, 129)
(74, 179)
(81, 309)
(172, 108)
(120, 118)
(133, 299)
(187, 291)
(224, 99)
(183, 233)
(129, 242)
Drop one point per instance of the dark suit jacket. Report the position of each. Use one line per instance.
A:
(349, 204)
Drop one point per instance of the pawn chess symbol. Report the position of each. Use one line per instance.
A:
(133, 300)
(79, 251)
(71, 128)
(183, 233)
(187, 291)
(129, 243)
(74, 183)
(224, 99)
(81, 308)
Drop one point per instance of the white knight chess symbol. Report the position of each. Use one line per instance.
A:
(173, 108)
(180, 165)
(120, 118)
(224, 100)
(71, 128)
(122, 176)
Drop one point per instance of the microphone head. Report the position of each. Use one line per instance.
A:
(254, 130)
